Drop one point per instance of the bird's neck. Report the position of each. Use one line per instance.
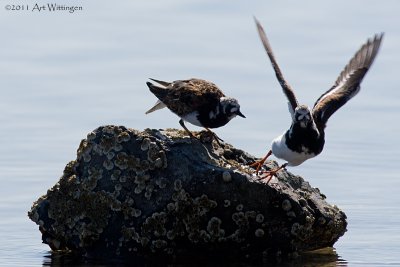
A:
(214, 118)
(310, 129)
(308, 137)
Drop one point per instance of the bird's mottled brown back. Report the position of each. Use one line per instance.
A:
(185, 96)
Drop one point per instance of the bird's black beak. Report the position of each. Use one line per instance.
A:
(240, 114)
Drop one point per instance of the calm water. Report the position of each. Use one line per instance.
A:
(62, 75)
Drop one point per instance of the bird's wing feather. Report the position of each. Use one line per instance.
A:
(347, 84)
(285, 86)
(197, 92)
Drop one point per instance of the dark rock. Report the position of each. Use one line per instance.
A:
(160, 193)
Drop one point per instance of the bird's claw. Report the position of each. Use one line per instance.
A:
(270, 174)
(258, 164)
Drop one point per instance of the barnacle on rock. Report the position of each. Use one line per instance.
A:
(108, 165)
(250, 214)
(123, 178)
(227, 203)
(158, 163)
(259, 232)
(123, 137)
(91, 136)
(155, 225)
(115, 175)
(161, 182)
(110, 155)
(260, 218)
(136, 213)
(286, 206)
(239, 207)
(145, 144)
(214, 228)
(177, 185)
(226, 176)
(107, 143)
(122, 160)
(239, 218)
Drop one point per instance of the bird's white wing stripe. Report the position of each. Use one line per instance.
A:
(339, 87)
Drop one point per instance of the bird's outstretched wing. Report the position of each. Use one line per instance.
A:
(285, 86)
(347, 84)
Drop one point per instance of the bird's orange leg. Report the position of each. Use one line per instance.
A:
(258, 164)
(272, 173)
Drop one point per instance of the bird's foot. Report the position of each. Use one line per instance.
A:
(208, 136)
(258, 164)
(181, 122)
(192, 136)
(270, 174)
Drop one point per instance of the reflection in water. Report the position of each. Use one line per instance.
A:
(61, 258)
(323, 257)
(326, 257)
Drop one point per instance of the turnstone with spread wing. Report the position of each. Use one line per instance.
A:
(196, 101)
(306, 137)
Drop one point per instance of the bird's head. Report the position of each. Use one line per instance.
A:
(231, 107)
(302, 116)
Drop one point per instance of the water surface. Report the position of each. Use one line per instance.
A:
(62, 75)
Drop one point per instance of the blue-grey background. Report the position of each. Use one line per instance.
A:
(62, 75)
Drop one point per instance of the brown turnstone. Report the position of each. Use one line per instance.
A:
(306, 137)
(196, 101)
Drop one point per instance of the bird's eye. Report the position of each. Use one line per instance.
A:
(305, 116)
(233, 110)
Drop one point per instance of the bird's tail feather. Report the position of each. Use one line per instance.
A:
(160, 82)
(158, 105)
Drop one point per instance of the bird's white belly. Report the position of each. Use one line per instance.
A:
(192, 118)
(280, 150)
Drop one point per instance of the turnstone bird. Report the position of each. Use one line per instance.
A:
(196, 101)
(306, 137)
